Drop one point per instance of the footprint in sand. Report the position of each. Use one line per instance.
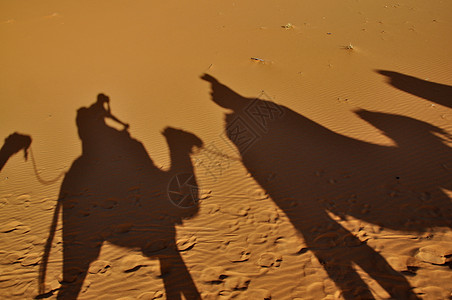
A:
(213, 275)
(435, 254)
(290, 246)
(404, 263)
(47, 203)
(211, 208)
(269, 259)
(237, 283)
(23, 200)
(99, 267)
(257, 238)
(258, 294)
(237, 254)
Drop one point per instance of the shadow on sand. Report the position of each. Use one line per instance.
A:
(113, 192)
(13, 144)
(435, 92)
(309, 171)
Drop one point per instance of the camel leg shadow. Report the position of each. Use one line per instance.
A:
(339, 262)
(176, 278)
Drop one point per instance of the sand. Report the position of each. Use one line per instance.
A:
(239, 149)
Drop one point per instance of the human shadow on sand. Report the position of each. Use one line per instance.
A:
(113, 192)
(435, 92)
(310, 171)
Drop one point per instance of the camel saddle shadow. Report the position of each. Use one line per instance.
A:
(316, 172)
(113, 192)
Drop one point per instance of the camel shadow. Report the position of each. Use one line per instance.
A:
(436, 92)
(315, 171)
(13, 144)
(113, 192)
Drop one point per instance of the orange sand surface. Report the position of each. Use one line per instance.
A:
(226, 149)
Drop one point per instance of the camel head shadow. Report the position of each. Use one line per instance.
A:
(436, 92)
(13, 144)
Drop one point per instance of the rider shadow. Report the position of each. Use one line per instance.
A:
(310, 171)
(113, 192)
(436, 92)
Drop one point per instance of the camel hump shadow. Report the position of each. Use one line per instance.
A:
(114, 192)
(317, 171)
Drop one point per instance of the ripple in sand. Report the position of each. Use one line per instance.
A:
(237, 254)
(31, 260)
(185, 244)
(99, 267)
(55, 285)
(257, 194)
(238, 211)
(211, 208)
(131, 263)
(21, 287)
(155, 246)
(3, 202)
(267, 216)
(34, 240)
(108, 203)
(12, 258)
(13, 225)
(23, 229)
(151, 295)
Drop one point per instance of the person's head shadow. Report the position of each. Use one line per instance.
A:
(113, 192)
(435, 92)
(317, 171)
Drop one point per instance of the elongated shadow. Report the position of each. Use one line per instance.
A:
(436, 92)
(13, 144)
(315, 171)
(113, 192)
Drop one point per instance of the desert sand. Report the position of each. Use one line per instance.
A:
(226, 149)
